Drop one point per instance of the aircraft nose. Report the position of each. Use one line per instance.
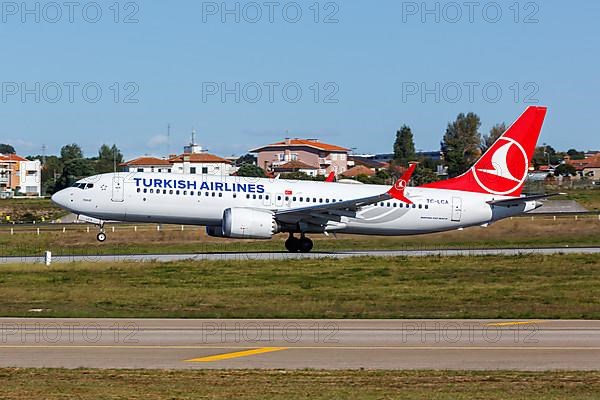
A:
(60, 198)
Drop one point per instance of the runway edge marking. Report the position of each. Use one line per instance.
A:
(237, 354)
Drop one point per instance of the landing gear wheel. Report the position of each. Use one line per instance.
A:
(101, 237)
(306, 245)
(292, 244)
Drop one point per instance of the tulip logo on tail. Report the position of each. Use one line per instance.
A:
(503, 169)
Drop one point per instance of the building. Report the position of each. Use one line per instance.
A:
(193, 160)
(370, 163)
(201, 163)
(296, 166)
(359, 170)
(19, 176)
(324, 157)
(147, 164)
(587, 168)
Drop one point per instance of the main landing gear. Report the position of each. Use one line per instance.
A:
(298, 245)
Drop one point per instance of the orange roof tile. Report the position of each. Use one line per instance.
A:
(358, 170)
(145, 161)
(199, 158)
(589, 162)
(11, 157)
(303, 142)
(295, 165)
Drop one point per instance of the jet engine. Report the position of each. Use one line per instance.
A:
(246, 223)
(215, 231)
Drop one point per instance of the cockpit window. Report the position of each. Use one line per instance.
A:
(84, 186)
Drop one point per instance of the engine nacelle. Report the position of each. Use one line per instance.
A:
(215, 231)
(246, 223)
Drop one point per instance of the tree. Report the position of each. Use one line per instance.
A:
(461, 144)
(544, 155)
(565, 170)
(424, 175)
(108, 157)
(250, 170)
(7, 149)
(297, 176)
(488, 140)
(70, 152)
(245, 159)
(74, 170)
(573, 153)
(404, 147)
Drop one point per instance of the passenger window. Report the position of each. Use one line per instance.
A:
(139, 190)
(177, 192)
(170, 192)
(420, 206)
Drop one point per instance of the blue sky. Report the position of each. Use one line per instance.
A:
(370, 67)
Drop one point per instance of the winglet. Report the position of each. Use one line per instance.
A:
(331, 177)
(397, 191)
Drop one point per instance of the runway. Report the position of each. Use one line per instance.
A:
(243, 256)
(298, 344)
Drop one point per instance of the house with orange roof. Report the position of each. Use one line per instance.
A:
(193, 160)
(19, 176)
(324, 157)
(587, 168)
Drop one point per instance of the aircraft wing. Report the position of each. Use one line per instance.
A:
(323, 213)
(520, 200)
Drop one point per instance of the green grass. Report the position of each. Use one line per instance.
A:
(248, 385)
(520, 232)
(560, 286)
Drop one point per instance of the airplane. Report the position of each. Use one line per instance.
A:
(259, 208)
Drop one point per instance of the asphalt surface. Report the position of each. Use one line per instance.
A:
(289, 256)
(293, 344)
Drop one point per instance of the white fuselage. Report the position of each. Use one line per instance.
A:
(202, 200)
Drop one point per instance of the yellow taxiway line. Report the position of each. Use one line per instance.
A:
(514, 323)
(237, 354)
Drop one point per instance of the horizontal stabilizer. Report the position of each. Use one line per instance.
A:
(520, 200)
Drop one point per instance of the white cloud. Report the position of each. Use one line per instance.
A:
(157, 140)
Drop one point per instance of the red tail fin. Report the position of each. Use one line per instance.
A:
(397, 191)
(502, 170)
(330, 177)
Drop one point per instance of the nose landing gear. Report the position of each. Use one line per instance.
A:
(298, 245)
(101, 236)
